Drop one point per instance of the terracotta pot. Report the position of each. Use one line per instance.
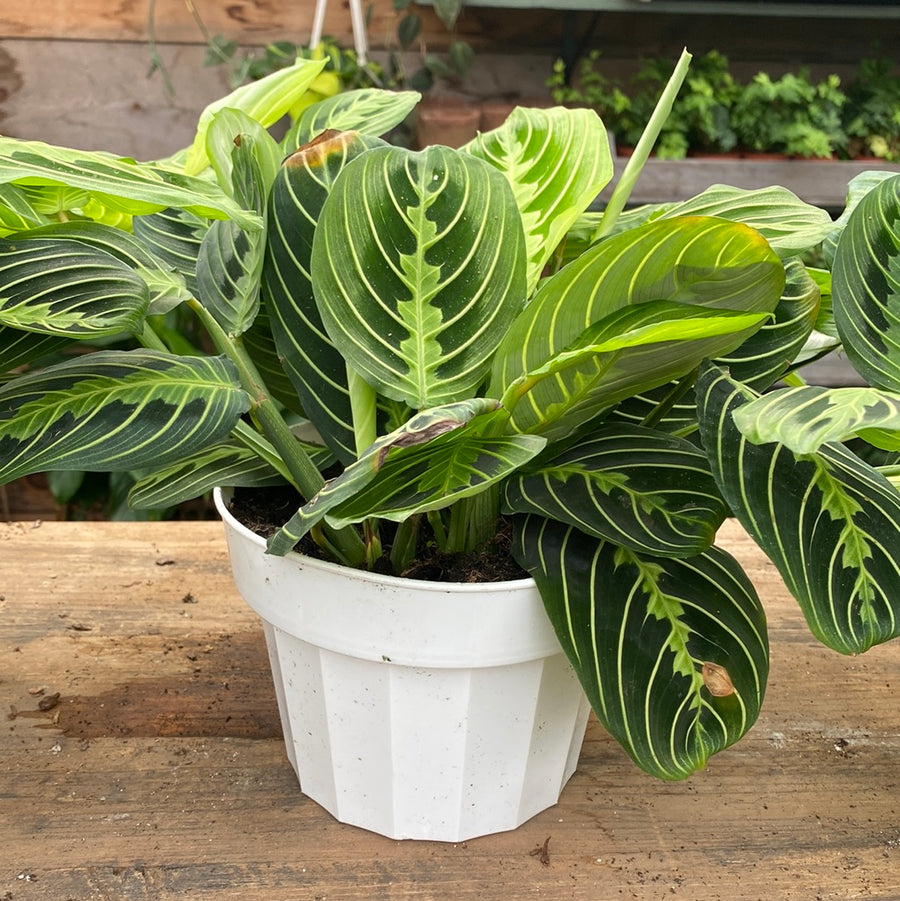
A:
(449, 122)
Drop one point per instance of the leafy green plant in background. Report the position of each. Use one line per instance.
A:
(873, 121)
(410, 306)
(715, 113)
(791, 115)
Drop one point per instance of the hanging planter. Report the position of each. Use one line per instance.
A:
(415, 709)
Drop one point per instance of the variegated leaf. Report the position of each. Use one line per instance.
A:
(20, 349)
(167, 287)
(805, 418)
(116, 181)
(226, 463)
(315, 367)
(768, 353)
(440, 456)
(116, 410)
(760, 360)
(827, 520)
(857, 188)
(418, 269)
(673, 654)
(790, 225)
(579, 377)
(634, 486)
(66, 288)
(175, 237)
(666, 261)
(557, 162)
(368, 110)
(866, 286)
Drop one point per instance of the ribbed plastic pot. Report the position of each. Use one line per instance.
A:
(420, 710)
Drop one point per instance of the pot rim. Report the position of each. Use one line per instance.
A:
(222, 494)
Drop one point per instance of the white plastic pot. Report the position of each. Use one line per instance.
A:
(414, 709)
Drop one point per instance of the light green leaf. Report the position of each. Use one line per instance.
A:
(636, 487)
(698, 262)
(418, 270)
(68, 289)
(866, 286)
(265, 100)
(369, 110)
(826, 520)
(557, 162)
(116, 410)
(790, 225)
(673, 654)
(805, 418)
(118, 182)
(437, 457)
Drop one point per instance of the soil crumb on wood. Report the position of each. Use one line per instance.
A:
(265, 510)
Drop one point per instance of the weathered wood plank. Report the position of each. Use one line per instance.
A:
(160, 774)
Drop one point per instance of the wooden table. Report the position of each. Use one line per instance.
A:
(159, 770)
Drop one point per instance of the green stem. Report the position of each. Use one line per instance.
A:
(623, 189)
(678, 391)
(473, 520)
(345, 543)
(151, 340)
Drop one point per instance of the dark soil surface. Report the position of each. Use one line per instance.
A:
(264, 510)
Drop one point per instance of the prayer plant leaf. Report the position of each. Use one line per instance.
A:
(231, 258)
(68, 289)
(317, 370)
(226, 463)
(116, 410)
(167, 287)
(705, 264)
(866, 286)
(557, 162)
(673, 653)
(118, 182)
(769, 352)
(827, 520)
(175, 237)
(636, 487)
(805, 418)
(368, 110)
(266, 100)
(439, 456)
(19, 349)
(418, 269)
(789, 224)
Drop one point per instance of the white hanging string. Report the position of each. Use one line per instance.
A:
(357, 22)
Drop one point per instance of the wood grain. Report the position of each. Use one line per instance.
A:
(160, 772)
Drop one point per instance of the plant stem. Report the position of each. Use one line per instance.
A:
(678, 390)
(473, 520)
(623, 189)
(346, 544)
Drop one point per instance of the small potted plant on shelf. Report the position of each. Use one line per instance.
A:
(393, 337)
